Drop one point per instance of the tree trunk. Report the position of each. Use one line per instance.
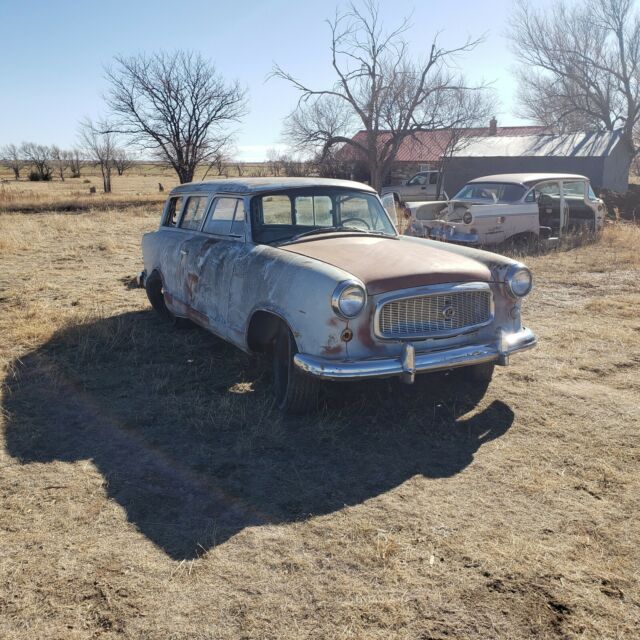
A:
(185, 174)
(106, 179)
(16, 173)
(375, 176)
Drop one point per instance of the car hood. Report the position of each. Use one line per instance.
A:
(389, 264)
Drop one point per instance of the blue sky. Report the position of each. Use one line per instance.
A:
(54, 52)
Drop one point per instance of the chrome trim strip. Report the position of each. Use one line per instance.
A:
(436, 289)
(498, 351)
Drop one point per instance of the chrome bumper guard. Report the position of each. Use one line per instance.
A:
(410, 362)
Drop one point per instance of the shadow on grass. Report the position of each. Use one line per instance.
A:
(181, 426)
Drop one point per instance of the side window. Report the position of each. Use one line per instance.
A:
(194, 212)
(433, 178)
(531, 196)
(574, 190)
(173, 211)
(276, 210)
(221, 218)
(551, 189)
(314, 211)
(237, 228)
(418, 179)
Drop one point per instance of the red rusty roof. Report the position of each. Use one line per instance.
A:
(428, 146)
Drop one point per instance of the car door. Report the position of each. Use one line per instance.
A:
(164, 246)
(431, 188)
(550, 206)
(195, 208)
(211, 260)
(416, 187)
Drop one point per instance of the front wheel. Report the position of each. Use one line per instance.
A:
(295, 392)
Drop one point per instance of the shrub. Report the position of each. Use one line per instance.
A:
(36, 176)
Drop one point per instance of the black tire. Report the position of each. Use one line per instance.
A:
(472, 383)
(478, 372)
(294, 391)
(154, 288)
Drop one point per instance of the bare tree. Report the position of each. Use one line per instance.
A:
(100, 145)
(221, 157)
(274, 161)
(75, 163)
(378, 89)
(122, 160)
(295, 166)
(60, 159)
(176, 105)
(39, 157)
(580, 66)
(12, 159)
(468, 110)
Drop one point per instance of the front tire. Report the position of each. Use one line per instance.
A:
(295, 392)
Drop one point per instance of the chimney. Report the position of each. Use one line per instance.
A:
(493, 126)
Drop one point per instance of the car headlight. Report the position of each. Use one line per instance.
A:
(467, 218)
(519, 281)
(348, 299)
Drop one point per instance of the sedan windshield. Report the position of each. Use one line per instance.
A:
(290, 215)
(491, 192)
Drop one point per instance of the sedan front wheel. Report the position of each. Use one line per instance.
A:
(295, 392)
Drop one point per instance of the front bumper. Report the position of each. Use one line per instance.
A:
(449, 233)
(410, 363)
(140, 278)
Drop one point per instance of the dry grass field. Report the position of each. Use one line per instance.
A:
(149, 491)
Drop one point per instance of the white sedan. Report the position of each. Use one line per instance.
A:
(520, 208)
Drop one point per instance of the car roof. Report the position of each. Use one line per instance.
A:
(258, 185)
(528, 178)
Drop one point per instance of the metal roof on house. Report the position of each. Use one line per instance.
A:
(570, 145)
(428, 146)
(255, 185)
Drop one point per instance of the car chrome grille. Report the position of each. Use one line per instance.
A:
(433, 314)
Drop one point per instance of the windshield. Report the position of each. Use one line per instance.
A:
(491, 192)
(282, 216)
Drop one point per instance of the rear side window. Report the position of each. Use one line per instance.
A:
(226, 217)
(194, 212)
(433, 178)
(173, 211)
(276, 210)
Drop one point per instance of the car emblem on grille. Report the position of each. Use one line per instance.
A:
(448, 312)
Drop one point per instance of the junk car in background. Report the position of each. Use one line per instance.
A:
(519, 208)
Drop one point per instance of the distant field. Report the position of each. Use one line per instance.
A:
(138, 184)
(149, 491)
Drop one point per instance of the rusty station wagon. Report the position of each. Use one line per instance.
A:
(313, 272)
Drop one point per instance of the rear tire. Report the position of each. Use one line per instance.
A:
(155, 292)
(294, 391)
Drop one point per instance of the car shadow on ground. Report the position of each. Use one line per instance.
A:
(181, 426)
